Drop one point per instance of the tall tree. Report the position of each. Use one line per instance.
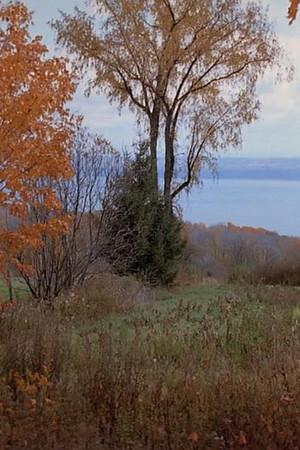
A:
(293, 10)
(189, 68)
(35, 132)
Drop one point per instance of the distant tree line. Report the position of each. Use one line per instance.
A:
(246, 254)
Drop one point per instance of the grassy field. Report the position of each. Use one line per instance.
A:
(20, 289)
(205, 367)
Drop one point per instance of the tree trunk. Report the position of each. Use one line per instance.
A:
(154, 132)
(169, 163)
(10, 287)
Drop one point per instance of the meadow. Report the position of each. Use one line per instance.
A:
(94, 353)
(207, 366)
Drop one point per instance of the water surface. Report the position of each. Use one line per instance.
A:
(271, 204)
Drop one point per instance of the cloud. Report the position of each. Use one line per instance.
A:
(99, 114)
(280, 112)
(281, 100)
(103, 118)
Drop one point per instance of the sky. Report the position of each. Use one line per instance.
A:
(275, 134)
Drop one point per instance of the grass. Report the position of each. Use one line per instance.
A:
(19, 289)
(204, 367)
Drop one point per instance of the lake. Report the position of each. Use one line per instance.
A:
(273, 204)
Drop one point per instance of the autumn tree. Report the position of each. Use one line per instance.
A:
(188, 69)
(35, 132)
(293, 10)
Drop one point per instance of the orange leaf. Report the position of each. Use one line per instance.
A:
(242, 439)
(36, 129)
(193, 437)
(293, 10)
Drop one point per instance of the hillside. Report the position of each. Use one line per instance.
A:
(258, 169)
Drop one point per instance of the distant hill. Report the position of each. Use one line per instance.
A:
(249, 169)
(258, 169)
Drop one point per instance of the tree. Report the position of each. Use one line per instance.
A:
(188, 69)
(36, 129)
(293, 10)
(66, 261)
(143, 237)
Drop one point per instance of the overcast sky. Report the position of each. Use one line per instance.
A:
(275, 134)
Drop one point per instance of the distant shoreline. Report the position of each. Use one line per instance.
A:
(287, 169)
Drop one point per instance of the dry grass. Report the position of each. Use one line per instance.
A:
(207, 368)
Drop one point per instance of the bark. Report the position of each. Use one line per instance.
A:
(154, 134)
(169, 163)
(10, 287)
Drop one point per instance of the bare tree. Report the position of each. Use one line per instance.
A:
(64, 262)
(188, 68)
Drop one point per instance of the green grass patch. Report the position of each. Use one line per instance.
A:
(19, 288)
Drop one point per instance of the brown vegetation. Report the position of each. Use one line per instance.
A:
(66, 261)
(208, 369)
(242, 254)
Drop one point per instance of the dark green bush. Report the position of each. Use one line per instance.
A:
(144, 236)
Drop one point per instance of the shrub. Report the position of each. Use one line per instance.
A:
(144, 237)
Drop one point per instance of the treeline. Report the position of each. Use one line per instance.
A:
(234, 253)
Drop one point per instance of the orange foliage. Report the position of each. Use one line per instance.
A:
(6, 306)
(293, 10)
(35, 131)
(246, 229)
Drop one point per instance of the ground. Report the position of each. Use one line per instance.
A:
(206, 367)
